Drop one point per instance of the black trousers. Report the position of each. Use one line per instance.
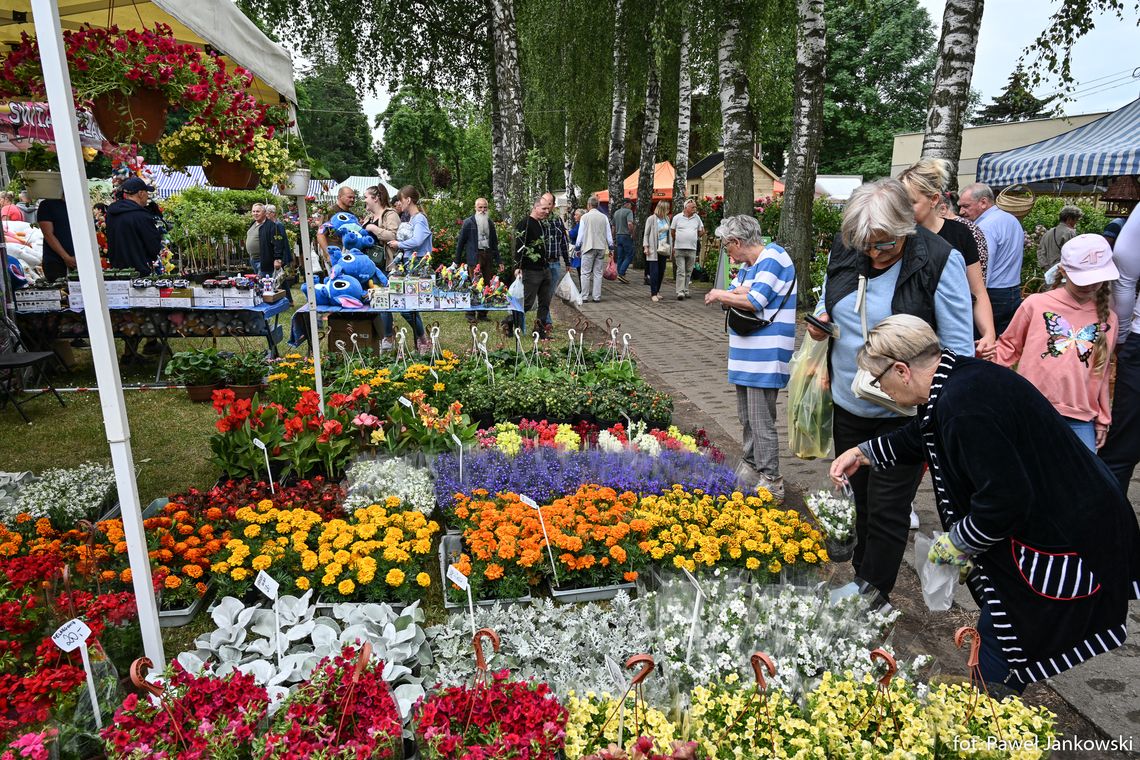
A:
(882, 501)
(1121, 452)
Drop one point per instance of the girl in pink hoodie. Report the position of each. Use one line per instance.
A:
(1062, 340)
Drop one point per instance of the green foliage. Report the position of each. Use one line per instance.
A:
(198, 367)
(880, 62)
(1046, 214)
(1015, 103)
(335, 130)
(245, 368)
(197, 214)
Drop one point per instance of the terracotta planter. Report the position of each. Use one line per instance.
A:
(246, 391)
(223, 173)
(139, 118)
(202, 394)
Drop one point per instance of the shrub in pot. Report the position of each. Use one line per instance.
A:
(244, 373)
(201, 371)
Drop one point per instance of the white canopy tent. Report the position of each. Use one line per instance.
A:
(219, 24)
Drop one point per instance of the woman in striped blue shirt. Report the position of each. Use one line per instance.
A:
(758, 361)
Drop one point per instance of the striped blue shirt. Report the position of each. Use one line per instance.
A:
(760, 360)
(1005, 239)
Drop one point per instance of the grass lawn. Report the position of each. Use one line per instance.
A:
(169, 434)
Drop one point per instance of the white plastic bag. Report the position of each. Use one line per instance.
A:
(516, 289)
(938, 581)
(568, 291)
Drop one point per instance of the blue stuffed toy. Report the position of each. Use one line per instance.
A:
(351, 233)
(320, 293)
(356, 264)
(346, 292)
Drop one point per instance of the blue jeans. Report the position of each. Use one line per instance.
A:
(624, 248)
(1004, 302)
(1084, 430)
(656, 275)
(555, 278)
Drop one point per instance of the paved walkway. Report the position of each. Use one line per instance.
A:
(682, 344)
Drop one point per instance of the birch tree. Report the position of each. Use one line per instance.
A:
(619, 111)
(949, 98)
(807, 132)
(649, 132)
(737, 133)
(684, 118)
(508, 94)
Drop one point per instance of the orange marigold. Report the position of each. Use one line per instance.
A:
(192, 571)
(630, 577)
(126, 576)
(200, 588)
(172, 582)
(493, 572)
(186, 530)
(213, 513)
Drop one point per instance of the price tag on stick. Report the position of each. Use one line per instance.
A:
(73, 635)
(408, 403)
(534, 505)
(266, 584)
(456, 576)
(268, 472)
(459, 448)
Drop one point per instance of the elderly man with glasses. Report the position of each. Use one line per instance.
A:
(881, 264)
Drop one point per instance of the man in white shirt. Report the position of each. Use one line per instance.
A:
(684, 232)
(595, 240)
(253, 235)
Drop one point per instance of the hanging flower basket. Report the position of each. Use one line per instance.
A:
(231, 174)
(139, 117)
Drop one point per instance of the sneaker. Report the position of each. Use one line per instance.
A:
(655, 299)
(597, 300)
(387, 345)
(913, 518)
(775, 486)
(621, 278)
(680, 296)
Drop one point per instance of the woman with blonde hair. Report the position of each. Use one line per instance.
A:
(1047, 542)
(925, 183)
(655, 245)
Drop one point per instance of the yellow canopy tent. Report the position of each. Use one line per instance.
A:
(214, 23)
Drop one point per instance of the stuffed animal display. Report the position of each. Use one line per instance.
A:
(352, 272)
(350, 231)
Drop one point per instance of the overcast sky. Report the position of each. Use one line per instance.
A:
(1103, 60)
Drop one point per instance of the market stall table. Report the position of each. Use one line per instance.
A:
(41, 329)
(299, 332)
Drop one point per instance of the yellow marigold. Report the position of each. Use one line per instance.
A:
(309, 561)
(252, 531)
(261, 562)
(752, 563)
(239, 574)
(346, 587)
(395, 577)
(423, 579)
(303, 583)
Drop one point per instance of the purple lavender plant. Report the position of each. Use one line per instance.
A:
(545, 475)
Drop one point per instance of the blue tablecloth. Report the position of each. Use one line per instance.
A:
(513, 305)
(265, 309)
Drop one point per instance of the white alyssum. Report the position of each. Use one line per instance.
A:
(835, 513)
(372, 481)
(65, 495)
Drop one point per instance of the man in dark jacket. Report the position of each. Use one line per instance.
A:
(274, 243)
(478, 246)
(134, 233)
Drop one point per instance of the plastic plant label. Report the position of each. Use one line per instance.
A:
(616, 673)
(266, 584)
(528, 501)
(541, 521)
(456, 576)
(259, 443)
(406, 401)
(71, 635)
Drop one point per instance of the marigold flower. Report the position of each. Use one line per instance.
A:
(395, 577)
(423, 579)
(346, 587)
(172, 582)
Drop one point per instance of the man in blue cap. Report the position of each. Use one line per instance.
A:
(134, 233)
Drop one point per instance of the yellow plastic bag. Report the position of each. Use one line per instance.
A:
(809, 401)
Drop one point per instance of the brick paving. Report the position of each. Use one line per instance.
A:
(681, 347)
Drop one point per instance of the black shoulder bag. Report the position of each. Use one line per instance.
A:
(745, 321)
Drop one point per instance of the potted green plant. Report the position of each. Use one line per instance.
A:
(245, 373)
(39, 168)
(201, 371)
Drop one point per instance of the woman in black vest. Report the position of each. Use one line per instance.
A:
(1049, 544)
(882, 264)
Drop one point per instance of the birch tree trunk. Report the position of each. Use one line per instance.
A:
(498, 147)
(684, 121)
(568, 171)
(807, 131)
(509, 97)
(951, 92)
(616, 168)
(645, 179)
(736, 119)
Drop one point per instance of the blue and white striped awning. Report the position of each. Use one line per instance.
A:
(1107, 147)
(168, 182)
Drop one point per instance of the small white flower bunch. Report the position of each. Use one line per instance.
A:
(835, 513)
(65, 495)
(372, 481)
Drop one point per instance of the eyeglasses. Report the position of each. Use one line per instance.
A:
(879, 377)
(882, 246)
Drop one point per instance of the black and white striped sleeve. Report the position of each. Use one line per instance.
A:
(903, 446)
